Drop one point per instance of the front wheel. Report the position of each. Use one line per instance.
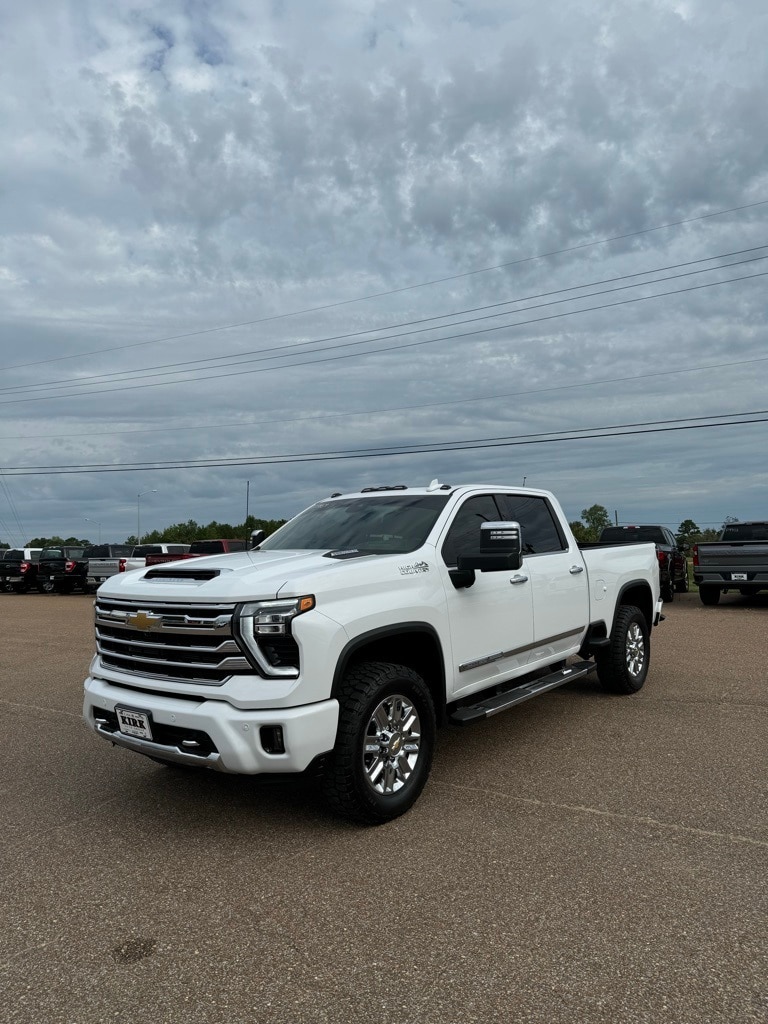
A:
(709, 594)
(622, 666)
(682, 586)
(384, 743)
(668, 593)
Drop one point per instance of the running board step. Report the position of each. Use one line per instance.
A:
(470, 713)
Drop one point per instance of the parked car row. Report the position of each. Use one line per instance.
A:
(69, 568)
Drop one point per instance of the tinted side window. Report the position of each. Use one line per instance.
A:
(537, 523)
(464, 534)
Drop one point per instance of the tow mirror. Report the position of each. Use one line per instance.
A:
(500, 549)
(256, 538)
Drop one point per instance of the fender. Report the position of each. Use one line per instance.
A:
(381, 634)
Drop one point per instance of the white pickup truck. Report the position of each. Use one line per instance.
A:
(112, 561)
(339, 644)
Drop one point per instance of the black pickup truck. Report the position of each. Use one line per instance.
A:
(62, 570)
(673, 566)
(18, 569)
(737, 561)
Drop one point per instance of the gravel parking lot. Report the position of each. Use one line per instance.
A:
(583, 858)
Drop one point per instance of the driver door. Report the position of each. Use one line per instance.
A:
(491, 622)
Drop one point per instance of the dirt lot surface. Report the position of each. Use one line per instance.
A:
(583, 858)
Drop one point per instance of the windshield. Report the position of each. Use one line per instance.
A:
(385, 524)
(745, 531)
(632, 535)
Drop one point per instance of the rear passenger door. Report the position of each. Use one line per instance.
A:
(557, 573)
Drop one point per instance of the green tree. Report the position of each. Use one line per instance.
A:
(579, 530)
(688, 533)
(595, 520)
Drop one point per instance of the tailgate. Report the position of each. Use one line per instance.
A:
(101, 568)
(160, 559)
(737, 555)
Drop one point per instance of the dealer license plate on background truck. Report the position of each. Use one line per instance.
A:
(738, 576)
(134, 723)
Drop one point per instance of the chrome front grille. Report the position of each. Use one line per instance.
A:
(169, 641)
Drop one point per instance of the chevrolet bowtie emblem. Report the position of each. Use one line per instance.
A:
(140, 620)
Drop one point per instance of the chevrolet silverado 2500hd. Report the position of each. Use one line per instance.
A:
(737, 561)
(341, 642)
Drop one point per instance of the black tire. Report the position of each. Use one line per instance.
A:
(622, 666)
(46, 587)
(20, 588)
(709, 594)
(386, 709)
(668, 593)
(683, 586)
(63, 588)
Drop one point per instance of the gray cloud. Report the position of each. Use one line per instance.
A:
(172, 167)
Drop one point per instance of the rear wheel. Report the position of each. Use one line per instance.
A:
(709, 594)
(622, 666)
(384, 743)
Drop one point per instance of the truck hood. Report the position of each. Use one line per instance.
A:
(242, 576)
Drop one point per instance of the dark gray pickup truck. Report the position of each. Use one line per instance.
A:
(737, 561)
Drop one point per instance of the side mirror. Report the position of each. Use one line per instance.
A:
(500, 549)
(256, 538)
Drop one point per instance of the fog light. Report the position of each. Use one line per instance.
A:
(272, 739)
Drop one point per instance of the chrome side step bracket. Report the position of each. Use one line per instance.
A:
(470, 713)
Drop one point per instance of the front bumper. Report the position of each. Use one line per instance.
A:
(236, 741)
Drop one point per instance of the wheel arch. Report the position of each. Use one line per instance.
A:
(639, 594)
(414, 644)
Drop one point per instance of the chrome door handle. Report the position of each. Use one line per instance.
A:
(518, 579)
(576, 569)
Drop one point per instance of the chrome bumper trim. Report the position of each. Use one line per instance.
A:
(160, 750)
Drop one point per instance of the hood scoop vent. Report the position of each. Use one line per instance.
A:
(182, 575)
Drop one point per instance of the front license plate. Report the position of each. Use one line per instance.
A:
(134, 723)
(738, 576)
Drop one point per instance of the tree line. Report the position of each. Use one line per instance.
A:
(595, 518)
(177, 533)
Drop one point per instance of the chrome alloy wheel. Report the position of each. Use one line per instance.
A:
(635, 650)
(391, 745)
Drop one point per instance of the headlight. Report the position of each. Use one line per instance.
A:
(265, 618)
(258, 622)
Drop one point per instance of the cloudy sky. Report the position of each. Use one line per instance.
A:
(276, 242)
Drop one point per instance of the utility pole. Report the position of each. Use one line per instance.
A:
(616, 516)
(247, 499)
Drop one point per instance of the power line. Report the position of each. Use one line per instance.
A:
(240, 359)
(393, 291)
(381, 451)
(398, 348)
(404, 408)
